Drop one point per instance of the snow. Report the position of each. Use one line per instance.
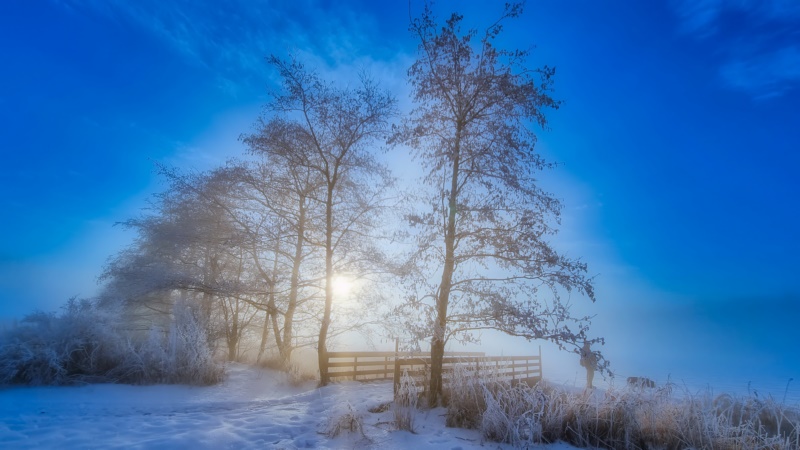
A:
(252, 408)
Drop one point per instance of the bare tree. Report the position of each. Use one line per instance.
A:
(486, 223)
(268, 204)
(274, 208)
(327, 132)
(187, 246)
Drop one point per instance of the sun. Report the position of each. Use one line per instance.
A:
(341, 286)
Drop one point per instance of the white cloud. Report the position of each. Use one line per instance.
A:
(699, 16)
(760, 56)
(765, 75)
(232, 38)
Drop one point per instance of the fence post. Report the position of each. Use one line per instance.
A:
(541, 367)
(527, 368)
(396, 381)
(355, 368)
(513, 371)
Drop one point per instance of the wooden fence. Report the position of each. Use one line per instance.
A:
(365, 366)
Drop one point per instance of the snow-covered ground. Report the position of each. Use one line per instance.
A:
(252, 408)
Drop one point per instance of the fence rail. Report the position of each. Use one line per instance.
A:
(365, 366)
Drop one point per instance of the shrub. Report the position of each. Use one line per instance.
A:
(76, 346)
(87, 344)
(179, 355)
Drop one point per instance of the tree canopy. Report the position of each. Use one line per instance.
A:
(484, 258)
(257, 244)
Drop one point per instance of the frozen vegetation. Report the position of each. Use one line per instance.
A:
(263, 408)
(251, 408)
(86, 343)
(635, 417)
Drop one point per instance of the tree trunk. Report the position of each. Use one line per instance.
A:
(442, 301)
(233, 341)
(273, 314)
(264, 338)
(286, 347)
(206, 304)
(326, 316)
(233, 333)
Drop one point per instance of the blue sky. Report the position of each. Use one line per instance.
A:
(677, 141)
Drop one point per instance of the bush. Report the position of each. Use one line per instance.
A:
(87, 344)
(179, 355)
(76, 346)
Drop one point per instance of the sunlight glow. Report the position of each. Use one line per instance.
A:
(342, 286)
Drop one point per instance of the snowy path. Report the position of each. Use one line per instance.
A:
(251, 409)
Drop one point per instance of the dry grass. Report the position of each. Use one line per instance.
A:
(405, 403)
(465, 398)
(297, 373)
(349, 422)
(628, 418)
